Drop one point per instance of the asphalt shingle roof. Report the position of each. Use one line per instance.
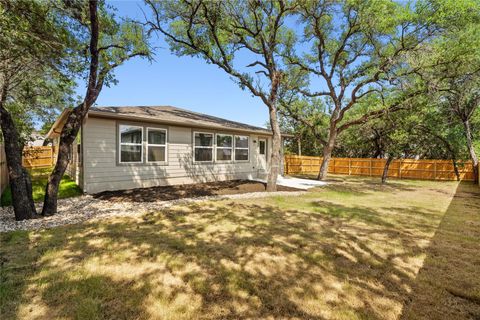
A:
(171, 114)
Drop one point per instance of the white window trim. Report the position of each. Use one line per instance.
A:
(201, 147)
(247, 148)
(120, 144)
(217, 147)
(157, 145)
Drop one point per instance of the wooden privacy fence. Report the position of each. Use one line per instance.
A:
(402, 169)
(38, 157)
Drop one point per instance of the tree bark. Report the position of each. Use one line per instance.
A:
(455, 169)
(275, 154)
(378, 145)
(471, 149)
(67, 137)
(75, 118)
(385, 169)
(327, 153)
(20, 183)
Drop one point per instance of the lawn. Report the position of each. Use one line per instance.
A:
(68, 188)
(352, 250)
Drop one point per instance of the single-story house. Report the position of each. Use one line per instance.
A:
(136, 147)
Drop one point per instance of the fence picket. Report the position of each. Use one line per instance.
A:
(38, 157)
(406, 169)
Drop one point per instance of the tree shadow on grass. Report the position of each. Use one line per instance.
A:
(360, 185)
(448, 285)
(221, 260)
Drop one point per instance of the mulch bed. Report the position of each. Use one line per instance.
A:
(166, 193)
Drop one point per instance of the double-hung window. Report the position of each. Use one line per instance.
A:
(203, 147)
(224, 147)
(156, 145)
(241, 148)
(131, 149)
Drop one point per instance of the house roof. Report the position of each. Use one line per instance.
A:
(173, 115)
(164, 114)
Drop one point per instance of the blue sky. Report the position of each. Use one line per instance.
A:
(184, 82)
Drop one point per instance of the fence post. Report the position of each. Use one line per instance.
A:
(305, 165)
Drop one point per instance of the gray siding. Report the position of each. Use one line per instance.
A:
(103, 172)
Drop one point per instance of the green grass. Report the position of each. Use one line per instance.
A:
(351, 250)
(68, 188)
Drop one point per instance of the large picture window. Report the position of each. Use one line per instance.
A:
(156, 145)
(131, 138)
(203, 147)
(224, 147)
(241, 148)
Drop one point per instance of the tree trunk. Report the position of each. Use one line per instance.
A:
(67, 136)
(327, 154)
(75, 118)
(385, 169)
(471, 149)
(20, 183)
(378, 145)
(455, 168)
(275, 154)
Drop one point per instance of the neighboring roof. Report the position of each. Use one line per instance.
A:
(36, 139)
(173, 115)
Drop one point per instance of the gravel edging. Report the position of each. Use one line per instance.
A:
(83, 208)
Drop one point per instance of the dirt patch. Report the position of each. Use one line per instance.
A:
(166, 193)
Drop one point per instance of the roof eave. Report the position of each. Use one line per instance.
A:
(57, 126)
(178, 123)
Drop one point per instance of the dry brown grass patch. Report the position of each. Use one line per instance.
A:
(352, 250)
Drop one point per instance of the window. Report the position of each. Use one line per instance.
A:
(262, 146)
(224, 147)
(241, 148)
(131, 138)
(203, 147)
(156, 145)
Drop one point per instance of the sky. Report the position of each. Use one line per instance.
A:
(184, 82)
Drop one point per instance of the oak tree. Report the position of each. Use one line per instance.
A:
(220, 32)
(109, 43)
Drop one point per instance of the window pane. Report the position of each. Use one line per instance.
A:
(203, 154)
(224, 154)
(241, 154)
(156, 136)
(203, 139)
(224, 141)
(241, 142)
(131, 153)
(262, 147)
(156, 153)
(129, 134)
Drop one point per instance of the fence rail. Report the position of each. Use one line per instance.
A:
(402, 169)
(38, 157)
